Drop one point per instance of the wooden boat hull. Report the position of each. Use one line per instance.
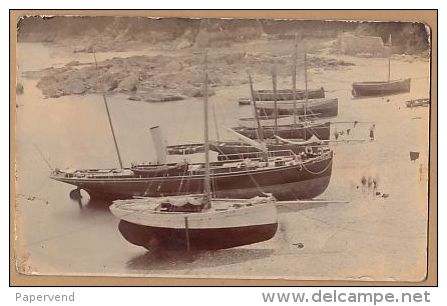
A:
(227, 224)
(368, 89)
(300, 181)
(199, 239)
(287, 94)
(266, 121)
(418, 103)
(232, 150)
(320, 107)
(322, 131)
(244, 101)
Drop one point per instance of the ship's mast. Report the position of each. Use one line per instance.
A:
(110, 120)
(275, 101)
(389, 59)
(294, 79)
(306, 92)
(260, 131)
(207, 181)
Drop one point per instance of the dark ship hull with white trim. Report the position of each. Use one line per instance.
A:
(288, 182)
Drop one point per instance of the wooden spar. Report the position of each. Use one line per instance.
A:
(305, 142)
(294, 79)
(207, 182)
(259, 130)
(275, 101)
(280, 203)
(306, 93)
(43, 157)
(389, 59)
(110, 120)
(356, 122)
(251, 142)
(319, 140)
(216, 128)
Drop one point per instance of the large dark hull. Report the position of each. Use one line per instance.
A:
(300, 181)
(199, 239)
(321, 131)
(321, 110)
(368, 89)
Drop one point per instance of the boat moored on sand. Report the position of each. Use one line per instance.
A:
(382, 88)
(299, 131)
(370, 89)
(200, 222)
(186, 223)
(286, 178)
(287, 94)
(325, 107)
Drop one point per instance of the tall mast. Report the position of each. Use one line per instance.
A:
(110, 120)
(259, 130)
(275, 100)
(306, 92)
(389, 59)
(216, 127)
(294, 79)
(207, 182)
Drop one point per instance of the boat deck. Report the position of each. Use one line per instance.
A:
(219, 167)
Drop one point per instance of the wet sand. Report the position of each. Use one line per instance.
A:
(369, 238)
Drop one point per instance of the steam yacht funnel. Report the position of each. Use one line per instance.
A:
(159, 144)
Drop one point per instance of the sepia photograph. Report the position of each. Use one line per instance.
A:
(242, 148)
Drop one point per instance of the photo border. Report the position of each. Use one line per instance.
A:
(427, 16)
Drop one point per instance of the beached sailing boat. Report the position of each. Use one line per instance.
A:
(296, 129)
(295, 102)
(286, 177)
(364, 89)
(307, 137)
(196, 222)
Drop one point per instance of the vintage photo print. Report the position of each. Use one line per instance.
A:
(221, 147)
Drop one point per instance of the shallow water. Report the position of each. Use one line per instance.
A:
(368, 238)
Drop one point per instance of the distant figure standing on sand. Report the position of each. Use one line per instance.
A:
(363, 180)
(371, 132)
(336, 134)
(370, 182)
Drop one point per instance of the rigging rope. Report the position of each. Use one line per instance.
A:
(318, 172)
